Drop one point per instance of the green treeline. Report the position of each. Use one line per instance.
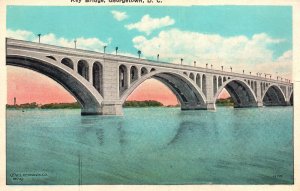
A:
(76, 105)
(225, 102)
(34, 105)
(147, 103)
(23, 106)
(61, 106)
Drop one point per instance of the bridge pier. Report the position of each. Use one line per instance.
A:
(111, 108)
(260, 104)
(211, 106)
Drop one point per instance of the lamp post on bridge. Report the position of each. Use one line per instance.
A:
(117, 48)
(75, 43)
(222, 67)
(139, 53)
(230, 69)
(194, 63)
(104, 47)
(39, 35)
(181, 59)
(206, 65)
(211, 66)
(157, 57)
(250, 73)
(243, 71)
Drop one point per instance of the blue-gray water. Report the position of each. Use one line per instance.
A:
(151, 146)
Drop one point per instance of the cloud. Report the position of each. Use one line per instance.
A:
(94, 44)
(119, 16)
(239, 52)
(148, 24)
(20, 34)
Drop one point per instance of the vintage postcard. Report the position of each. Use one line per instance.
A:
(182, 95)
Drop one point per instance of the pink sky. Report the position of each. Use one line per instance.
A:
(29, 86)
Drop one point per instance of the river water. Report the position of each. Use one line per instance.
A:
(151, 146)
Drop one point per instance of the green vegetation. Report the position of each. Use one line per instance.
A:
(61, 106)
(225, 102)
(46, 106)
(23, 106)
(146, 103)
(75, 105)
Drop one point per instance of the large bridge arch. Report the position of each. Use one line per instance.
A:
(274, 96)
(86, 95)
(186, 91)
(240, 92)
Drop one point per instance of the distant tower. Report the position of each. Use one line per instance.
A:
(15, 101)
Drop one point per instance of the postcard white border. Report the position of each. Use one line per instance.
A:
(296, 79)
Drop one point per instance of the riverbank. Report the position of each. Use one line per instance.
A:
(76, 105)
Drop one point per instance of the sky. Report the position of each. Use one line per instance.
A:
(250, 38)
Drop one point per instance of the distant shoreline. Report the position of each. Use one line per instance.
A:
(127, 104)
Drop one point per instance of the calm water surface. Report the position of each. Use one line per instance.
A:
(151, 146)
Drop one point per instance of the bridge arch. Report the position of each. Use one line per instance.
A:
(133, 74)
(98, 77)
(219, 81)
(144, 71)
(51, 57)
(186, 91)
(198, 80)
(83, 69)
(204, 84)
(123, 78)
(68, 62)
(240, 92)
(215, 86)
(192, 76)
(86, 95)
(273, 96)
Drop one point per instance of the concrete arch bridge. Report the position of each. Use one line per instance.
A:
(102, 82)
